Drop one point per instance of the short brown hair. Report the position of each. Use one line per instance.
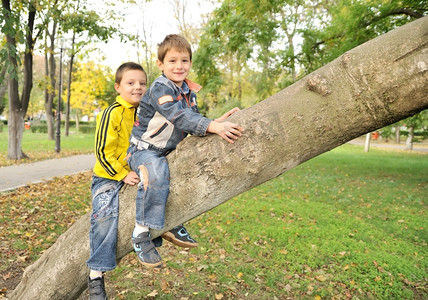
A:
(126, 67)
(173, 41)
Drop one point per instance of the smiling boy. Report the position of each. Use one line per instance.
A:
(167, 113)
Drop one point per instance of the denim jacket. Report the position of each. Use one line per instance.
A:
(167, 113)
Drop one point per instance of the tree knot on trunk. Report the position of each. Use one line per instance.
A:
(318, 84)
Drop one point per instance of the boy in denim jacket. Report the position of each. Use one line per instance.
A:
(167, 113)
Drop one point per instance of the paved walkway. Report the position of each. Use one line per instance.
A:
(12, 177)
(417, 147)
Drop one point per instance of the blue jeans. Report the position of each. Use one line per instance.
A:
(104, 223)
(153, 189)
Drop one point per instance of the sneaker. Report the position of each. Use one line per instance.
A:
(180, 237)
(97, 289)
(146, 251)
(158, 241)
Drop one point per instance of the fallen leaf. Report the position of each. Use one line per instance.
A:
(153, 294)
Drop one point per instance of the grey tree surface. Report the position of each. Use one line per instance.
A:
(371, 86)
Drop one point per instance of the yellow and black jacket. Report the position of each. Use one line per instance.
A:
(114, 126)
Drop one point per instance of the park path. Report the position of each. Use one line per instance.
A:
(12, 177)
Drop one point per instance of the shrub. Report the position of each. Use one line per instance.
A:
(90, 128)
(41, 128)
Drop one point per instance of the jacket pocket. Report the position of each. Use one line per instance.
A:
(159, 130)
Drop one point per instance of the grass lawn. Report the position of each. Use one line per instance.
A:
(344, 225)
(38, 147)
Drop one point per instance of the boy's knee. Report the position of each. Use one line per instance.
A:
(144, 176)
(104, 202)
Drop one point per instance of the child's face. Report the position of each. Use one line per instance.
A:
(176, 65)
(132, 87)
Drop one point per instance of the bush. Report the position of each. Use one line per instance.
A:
(41, 128)
(1, 126)
(90, 128)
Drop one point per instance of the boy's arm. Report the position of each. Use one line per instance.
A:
(177, 112)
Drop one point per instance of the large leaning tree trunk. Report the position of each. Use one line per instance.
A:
(369, 87)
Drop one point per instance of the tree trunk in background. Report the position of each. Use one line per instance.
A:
(409, 140)
(374, 85)
(397, 134)
(52, 80)
(367, 144)
(18, 105)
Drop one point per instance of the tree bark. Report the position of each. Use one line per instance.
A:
(374, 85)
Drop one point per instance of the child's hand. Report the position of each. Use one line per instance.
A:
(227, 130)
(227, 115)
(131, 178)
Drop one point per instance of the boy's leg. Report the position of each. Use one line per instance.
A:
(180, 237)
(153, 190)
(103, 233)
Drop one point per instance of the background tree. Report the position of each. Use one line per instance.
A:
(52, 14)
(267, 45)
(15, 35)
(252, 44)
(344, 25)
(91, 89)
(85, 27)
(414, 123)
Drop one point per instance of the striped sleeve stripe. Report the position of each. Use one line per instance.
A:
(102, 139)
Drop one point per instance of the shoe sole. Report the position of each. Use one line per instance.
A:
(171, 238)
(155, 265)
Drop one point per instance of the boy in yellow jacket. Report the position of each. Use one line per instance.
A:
(111, 172)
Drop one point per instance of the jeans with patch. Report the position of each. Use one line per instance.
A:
(153, 189)
(104, 223)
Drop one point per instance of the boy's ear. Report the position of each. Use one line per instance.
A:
(159, 64)
(116, 87)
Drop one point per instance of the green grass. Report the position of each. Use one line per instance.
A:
(38, 147)
(344, 225)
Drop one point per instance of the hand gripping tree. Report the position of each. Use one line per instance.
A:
(373, 85)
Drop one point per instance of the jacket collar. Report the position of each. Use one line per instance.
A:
(122, 102)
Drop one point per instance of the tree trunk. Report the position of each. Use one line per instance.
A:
(77, 120)
(367, 144)
(70, 73)
(409, 140)
(397, 134)
(365, 89)
(18, 106)
(52, 79)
